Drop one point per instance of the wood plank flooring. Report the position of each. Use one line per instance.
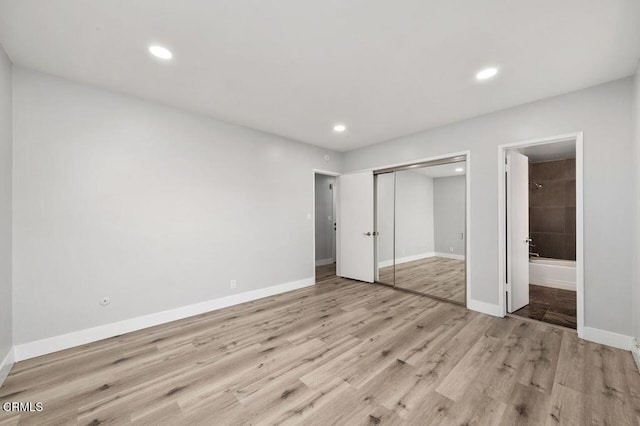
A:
(551, 305)
(325, 272)
(339, 352)
(433, 276)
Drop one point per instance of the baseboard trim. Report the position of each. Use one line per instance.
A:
(562, 285)
(485, 308)
(6, 365)
(450, 256)
(405, 259)
(635, 351)
(89, 335)
(608, 338)
(323, 262)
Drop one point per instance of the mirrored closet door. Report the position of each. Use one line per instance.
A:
(384, 221)
(421, 225)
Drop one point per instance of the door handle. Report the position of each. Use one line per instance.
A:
(368, 234)
(528, 240)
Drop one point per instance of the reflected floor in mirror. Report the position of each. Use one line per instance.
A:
(434, 276)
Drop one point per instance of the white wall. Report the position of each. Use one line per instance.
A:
(414, 214)
(151, 206)
(385, 185)
(636, 205)
(413, 203)
(604, 114)
(325, 238)
(449, 213)
(5, 206)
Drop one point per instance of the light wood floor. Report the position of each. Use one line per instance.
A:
(339, 352)
(433, 276)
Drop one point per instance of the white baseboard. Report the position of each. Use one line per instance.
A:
(595, 335)
(450, 256)
(563, 285)
(323, 262)
(81, 337)
(405, 259)
(635, 351)
(608, 338)
(485, 308)
(385, 263)
(5, 365)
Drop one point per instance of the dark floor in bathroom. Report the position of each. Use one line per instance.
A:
(550, 305)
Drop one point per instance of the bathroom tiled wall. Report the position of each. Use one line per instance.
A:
(552, 208)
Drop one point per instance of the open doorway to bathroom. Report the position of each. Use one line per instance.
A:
(324, 226)
(541, 248)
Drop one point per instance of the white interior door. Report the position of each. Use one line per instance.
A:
(517, 231)
(355, 226)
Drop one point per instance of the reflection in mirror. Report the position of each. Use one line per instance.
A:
(430, 231)
(384, 227)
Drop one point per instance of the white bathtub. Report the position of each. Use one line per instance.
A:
(554, 273)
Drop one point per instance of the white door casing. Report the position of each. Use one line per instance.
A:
(517, 231)
(355, 226)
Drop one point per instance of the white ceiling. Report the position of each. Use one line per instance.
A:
(550, 152)
(296, 67)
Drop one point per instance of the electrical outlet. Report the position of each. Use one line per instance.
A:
(233, 283)
(105, 301)
(451, 249)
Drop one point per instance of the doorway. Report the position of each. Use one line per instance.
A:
(541, 233)
(324, 221)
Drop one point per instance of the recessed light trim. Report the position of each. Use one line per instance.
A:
(339, 128)
(486, 73)
(160, 52)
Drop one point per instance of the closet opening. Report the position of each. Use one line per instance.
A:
(421, 229)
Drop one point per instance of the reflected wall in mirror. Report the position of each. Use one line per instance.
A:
(385, 193)
(429, 226)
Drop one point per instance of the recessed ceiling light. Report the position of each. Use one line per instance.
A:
(486, 73)
(459, 169)
(339, 128)
(160, 52)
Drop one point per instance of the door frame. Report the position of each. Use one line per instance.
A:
(313, 215)
(502, 214)
(467, 154)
